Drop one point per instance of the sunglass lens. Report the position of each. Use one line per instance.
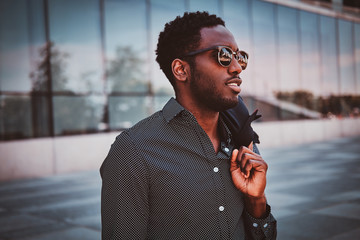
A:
(225, 56)
(243, 59)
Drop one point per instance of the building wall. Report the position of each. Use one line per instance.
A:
(51, 156)
(76, 72)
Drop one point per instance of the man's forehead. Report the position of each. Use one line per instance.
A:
(217, 35)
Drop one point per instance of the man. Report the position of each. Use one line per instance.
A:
(176, 174)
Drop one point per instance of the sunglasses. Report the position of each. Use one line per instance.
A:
(225, 55)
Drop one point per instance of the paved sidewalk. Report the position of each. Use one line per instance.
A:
(314, 191)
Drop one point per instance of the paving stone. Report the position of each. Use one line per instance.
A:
(346, 210)
(323, 189)
(93, 222)
(72, 212)
(20, 203)
(355, 234)
(313, 226)
(346, 196)
(313, 189)
(19, 225)
(68, 234)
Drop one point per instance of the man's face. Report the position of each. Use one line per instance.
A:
(214, 86)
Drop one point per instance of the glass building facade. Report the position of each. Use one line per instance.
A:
(86, 66)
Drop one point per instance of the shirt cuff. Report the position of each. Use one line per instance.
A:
(261, 226)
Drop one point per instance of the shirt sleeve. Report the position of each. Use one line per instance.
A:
(264, 229)
(124, 194)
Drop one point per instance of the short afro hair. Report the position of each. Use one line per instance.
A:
(180, 36)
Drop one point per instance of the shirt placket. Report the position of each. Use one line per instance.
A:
(218, 180)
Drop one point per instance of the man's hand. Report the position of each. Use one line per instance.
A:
(248, 172)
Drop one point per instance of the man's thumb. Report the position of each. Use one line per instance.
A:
(251, 146)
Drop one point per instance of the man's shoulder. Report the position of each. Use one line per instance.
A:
(155, 123)
(147, 124)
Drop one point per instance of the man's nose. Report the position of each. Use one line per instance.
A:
(235, 67)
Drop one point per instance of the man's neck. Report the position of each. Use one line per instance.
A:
(210, 125)
(207, 119)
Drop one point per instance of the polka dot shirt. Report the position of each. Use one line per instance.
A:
(162, 179)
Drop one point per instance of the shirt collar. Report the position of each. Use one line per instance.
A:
(171, 109)
(224, 131)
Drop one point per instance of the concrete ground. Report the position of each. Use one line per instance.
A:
(314, 191)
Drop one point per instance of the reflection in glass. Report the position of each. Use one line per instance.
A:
(237, 19)
(307, 59)
(126, 111)
(328, 56)
(125, 72)
(288, 49)
(265, 57)
(310, 56)
(75, 31)
(40, 74)
(126, 46)
(15, 117)
(78, 114)
(162, 11)
(40, 115)
(212, 6)
(346, 58)
(21, 33)
(357, 56)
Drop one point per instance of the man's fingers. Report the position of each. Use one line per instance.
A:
(246, 157)
(254, 165)
(233, 162)
(251, 146)
(244, 149)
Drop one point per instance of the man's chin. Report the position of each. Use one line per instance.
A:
(226, 104)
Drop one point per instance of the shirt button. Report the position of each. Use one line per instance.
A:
(226, 149)
(265, 225)
(221, 208)
(216, 169)
(255, 224)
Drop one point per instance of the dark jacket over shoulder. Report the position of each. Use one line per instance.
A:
(239, 121)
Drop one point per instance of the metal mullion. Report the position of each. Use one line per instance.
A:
(48, 67)
(104, 62)
(337, 38)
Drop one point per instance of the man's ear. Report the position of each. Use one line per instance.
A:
(180, 69)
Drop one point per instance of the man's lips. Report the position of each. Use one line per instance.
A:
(234, 84)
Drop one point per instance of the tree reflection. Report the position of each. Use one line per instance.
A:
(125, 73)
(50, 55)
(331, 106)
(66, 112)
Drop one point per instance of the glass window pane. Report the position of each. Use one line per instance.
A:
(328, 56)
(15, 117)
(40, 115)
(21, 36)
(357, 56)
(78, 114)
(237, 20)
(264, 60)
(76, 60)
(162, 11)
(310, 53)
(288, 49)
(346, 57)
(126, 111)
(126, 46)
(211, 6)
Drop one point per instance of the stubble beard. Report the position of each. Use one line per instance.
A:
(207, 93)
